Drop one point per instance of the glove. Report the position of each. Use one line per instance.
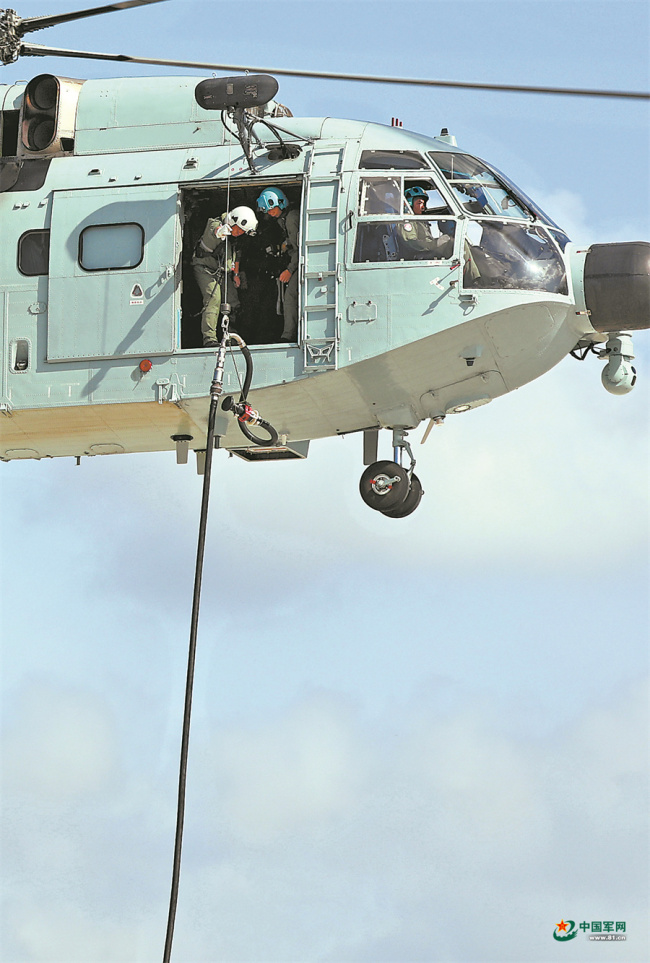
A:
(222, 231)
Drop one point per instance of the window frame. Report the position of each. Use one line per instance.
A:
(400, 178)
(530, 210)
(387, 151)
(33, 274)
(121, 267)
(393, 223)
(540, 231)
(437, 181)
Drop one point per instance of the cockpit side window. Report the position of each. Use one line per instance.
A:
(476, 187)
(380, 195)
(561, 238)
(434, 202)
(409, 239)
(395, 227)
(395, 195)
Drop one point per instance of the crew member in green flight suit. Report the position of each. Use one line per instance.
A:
(415, 236)
(217, 257)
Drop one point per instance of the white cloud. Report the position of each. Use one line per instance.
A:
(288, 774)
(570, 211)
(60, 932)
(61, 744)
(318, 835)
(454, 830)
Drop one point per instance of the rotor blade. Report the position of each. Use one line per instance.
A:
(28, 24)
(36, 50)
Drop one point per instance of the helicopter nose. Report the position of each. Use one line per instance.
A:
(617, 286)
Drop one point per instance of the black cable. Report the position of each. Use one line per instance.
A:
(248, 377)
(246, 414)
(272, 440)
(586, 349)
(269, 442)
(191, 659)
(216, 389)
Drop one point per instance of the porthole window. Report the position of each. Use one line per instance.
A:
(34, 253)
(111, 247)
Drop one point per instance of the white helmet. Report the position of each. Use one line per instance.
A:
(244, 218)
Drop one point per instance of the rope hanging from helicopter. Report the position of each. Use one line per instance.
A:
(246, 415)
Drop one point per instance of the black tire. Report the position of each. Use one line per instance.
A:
(410, 503)
(379, 490)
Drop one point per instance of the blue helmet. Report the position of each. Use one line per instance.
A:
(412, 192)
(272, 197)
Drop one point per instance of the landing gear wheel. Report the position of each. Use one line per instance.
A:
(384, 485)
(410, 503)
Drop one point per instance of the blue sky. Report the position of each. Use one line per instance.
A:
(412, 741)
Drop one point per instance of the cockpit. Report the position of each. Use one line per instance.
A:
(472, 214)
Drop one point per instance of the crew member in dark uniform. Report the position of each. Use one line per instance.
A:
(273, 201)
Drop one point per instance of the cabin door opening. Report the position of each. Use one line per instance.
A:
(258, 314)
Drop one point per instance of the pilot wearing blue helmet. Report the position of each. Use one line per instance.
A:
(417, 242)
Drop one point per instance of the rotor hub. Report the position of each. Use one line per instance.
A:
(10, 36)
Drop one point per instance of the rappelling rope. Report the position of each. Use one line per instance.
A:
(216, 389)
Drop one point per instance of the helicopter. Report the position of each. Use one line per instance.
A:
(105, 189)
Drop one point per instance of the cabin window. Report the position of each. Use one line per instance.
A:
(510, 256)
(34, 253)
(19, 351)
(111, 247)
(391, 160)
(476, 187)
(407, 239)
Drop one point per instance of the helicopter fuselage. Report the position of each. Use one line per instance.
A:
(401, 317)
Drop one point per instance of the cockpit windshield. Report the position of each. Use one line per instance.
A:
(477, 187)
(534, 208)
